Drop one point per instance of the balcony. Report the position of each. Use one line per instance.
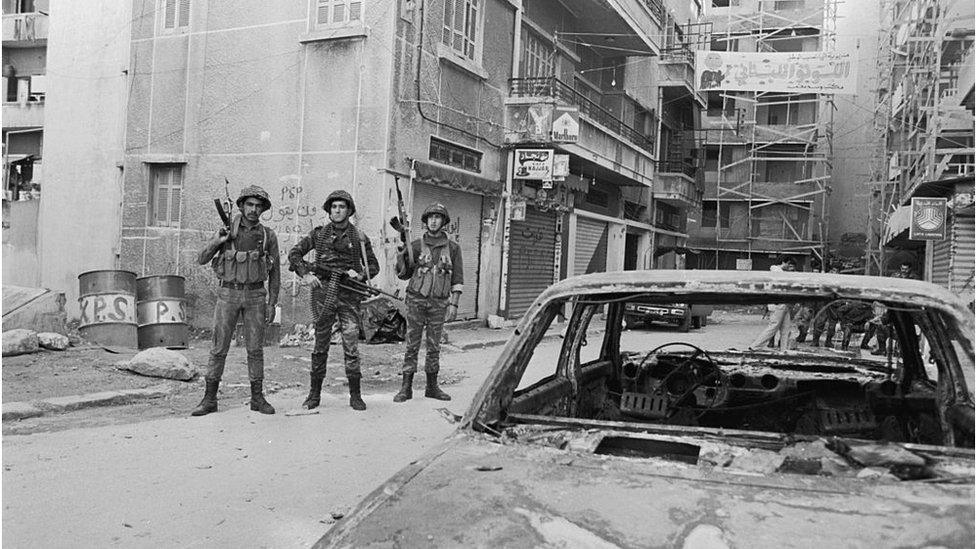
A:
(23, 115)
(678, 183)
(635, 24)
(25, 30)
(746, 16)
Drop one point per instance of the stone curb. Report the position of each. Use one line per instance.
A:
(23, 410)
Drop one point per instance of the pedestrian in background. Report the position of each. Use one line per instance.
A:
(341, 250)
(779, 315)
(436, 282)
(244, 257)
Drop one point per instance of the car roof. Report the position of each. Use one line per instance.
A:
(752, 286)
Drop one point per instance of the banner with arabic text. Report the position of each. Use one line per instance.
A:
(798, 72)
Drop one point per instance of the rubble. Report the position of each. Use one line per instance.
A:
(19, 342)
(53, 341)
(160, 362)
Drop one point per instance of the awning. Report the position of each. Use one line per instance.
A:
(20, 158)
(676, 249)
(898, 222)
(444, 176)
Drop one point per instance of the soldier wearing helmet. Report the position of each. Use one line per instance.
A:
(340, 248)
(436, 281)
(244, 257)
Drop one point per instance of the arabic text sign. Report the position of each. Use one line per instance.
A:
(928, 219)
(797, 72)
(533, 164)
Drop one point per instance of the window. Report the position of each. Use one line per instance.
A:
(455, 155)
(597, 198)
(338, 12)
(461, 26)
(176, 14)
(537, 56)
(720, 3)
(709, 213)
(781, 5)
(166, 185)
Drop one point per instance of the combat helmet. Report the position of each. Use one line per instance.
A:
(255, 192)
(436, 208)
(339, 195)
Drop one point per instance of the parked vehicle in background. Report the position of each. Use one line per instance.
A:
(682, 315)
(614, 445)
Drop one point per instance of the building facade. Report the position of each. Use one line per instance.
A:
(25, 33)
(767, 154)
(435, 97)
(927, 128)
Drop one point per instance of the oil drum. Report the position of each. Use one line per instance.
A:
(108, 307)
(161, 311)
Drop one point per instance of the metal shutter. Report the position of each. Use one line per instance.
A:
(941, 250)
(963, 254)
(465, 229)
(591, 247)
(532, 257)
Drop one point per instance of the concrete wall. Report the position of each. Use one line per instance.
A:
(241, 96)
(854, 136)
(84, 110)
(20, 265)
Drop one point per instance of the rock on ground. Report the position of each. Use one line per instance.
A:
(160, 362)
(53, 341)
(19, 342)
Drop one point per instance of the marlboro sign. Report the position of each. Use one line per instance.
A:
(928, 219)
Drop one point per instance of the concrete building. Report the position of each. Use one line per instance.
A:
(25, 35)
(767, 154)
(926, 113)
(306, 97)
(65, 67)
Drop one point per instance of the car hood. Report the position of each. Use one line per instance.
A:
(475, 492)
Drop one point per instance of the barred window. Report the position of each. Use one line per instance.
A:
(338, 12)
(537, 56)
(450, 154)
(166, 187)
(461, 26)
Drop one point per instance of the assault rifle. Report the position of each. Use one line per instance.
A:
(224, 216)
(400, 223)
(340, 280)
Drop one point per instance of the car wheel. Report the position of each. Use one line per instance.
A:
(696, 322)
(685, 325)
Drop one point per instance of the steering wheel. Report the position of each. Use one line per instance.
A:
(698, 351)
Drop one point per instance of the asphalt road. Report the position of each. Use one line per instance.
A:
(237, 478)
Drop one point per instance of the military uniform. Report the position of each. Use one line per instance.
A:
(243, 264)
(339, 249)
(437, 272)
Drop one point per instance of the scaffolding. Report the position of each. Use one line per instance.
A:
(777, 210)
(923, 136)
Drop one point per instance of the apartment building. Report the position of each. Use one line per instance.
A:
(767, 153)
(445, 100)
(923, 207)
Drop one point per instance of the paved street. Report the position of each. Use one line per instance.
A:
(239, 479)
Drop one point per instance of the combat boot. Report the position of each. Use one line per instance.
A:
(433, 391)
(406, 389)
(314, 394)
(258, 404)
(209, 403)
(355, 397)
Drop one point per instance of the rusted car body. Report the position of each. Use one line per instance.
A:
(681, 446)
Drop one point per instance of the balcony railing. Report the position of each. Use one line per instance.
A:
(678, 166)
(550, 86)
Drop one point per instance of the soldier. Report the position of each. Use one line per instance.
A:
(436, 282)
(341, 251)
(244, 258)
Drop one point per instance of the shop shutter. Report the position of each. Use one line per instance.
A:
(963, 254)
(591, 247)
(465, 229)
(531, 258)
(941, 251)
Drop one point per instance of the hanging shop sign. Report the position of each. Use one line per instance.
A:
(560, 166)
(529, 123)
(518, 208)
(565, 124)
(796, 72)
(533, 164)
(928, 219)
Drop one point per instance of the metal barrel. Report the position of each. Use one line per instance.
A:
(161, 311)
(108, 307)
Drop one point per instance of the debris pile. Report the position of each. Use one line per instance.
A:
(22, 341)
(301, 333)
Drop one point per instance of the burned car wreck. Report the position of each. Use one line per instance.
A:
(611, 440)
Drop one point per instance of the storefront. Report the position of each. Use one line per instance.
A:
(534, 247)
(465, 196)
(591, 246)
